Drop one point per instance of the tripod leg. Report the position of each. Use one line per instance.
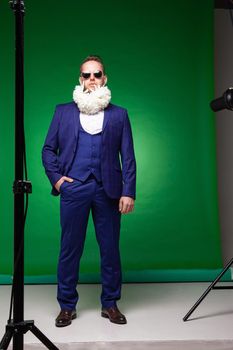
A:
(208, 290)
(42, 338)
(6, 339)
(18, 341)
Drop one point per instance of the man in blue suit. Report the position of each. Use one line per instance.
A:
(89, 159)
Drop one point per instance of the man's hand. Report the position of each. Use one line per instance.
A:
(126, 204)
(62, 179)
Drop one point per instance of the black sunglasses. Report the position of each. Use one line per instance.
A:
(97, 75)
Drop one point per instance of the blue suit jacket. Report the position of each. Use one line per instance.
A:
(61, 141)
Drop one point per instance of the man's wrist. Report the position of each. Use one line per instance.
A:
(128, 195)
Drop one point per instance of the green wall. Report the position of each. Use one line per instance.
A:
(159, 60)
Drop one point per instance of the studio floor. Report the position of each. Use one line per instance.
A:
(154, 312)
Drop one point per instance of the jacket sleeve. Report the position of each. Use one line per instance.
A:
(51, 148)
(128, 160)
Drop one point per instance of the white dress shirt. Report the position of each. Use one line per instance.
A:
(93, 123)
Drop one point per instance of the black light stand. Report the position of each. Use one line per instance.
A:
(17, 327)
(220, 103)
(211, 287)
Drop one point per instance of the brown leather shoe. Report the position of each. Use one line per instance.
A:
(65, 318)
(114, 315)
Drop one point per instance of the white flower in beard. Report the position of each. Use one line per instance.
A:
(91, 102)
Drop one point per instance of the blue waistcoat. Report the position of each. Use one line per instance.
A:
(87, 156)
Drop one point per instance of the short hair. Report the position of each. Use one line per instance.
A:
(93, 58)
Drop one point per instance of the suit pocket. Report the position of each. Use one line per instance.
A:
(62, 185)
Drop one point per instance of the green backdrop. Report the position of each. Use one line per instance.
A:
(159, 62)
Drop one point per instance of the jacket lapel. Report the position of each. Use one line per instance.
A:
(106, 116)
(76, 121)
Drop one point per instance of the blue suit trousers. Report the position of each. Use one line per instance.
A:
(77, 200)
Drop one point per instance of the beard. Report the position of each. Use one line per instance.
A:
(91, 102)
